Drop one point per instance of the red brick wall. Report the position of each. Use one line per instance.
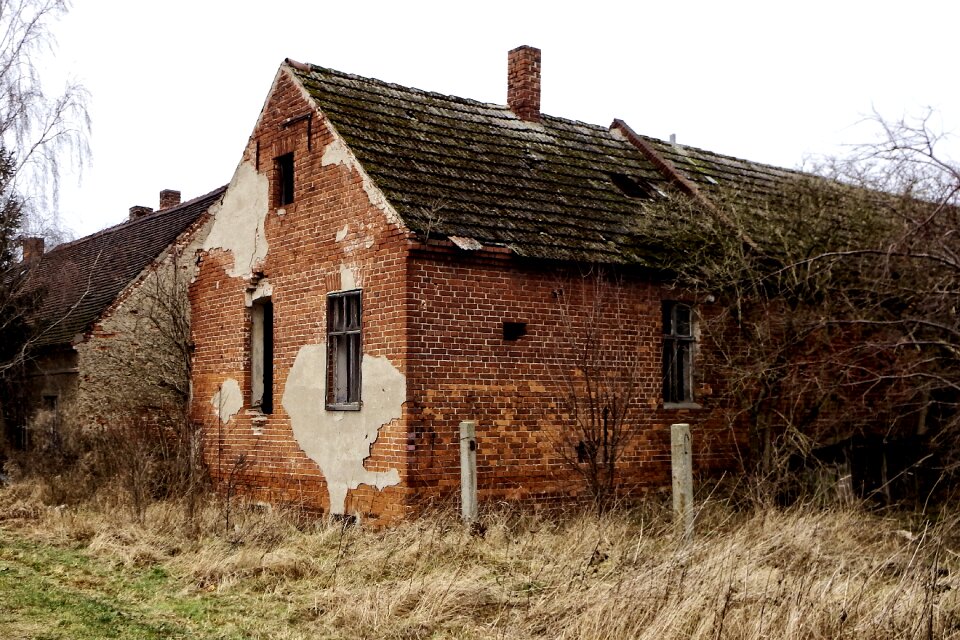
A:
(303, 264)
(437, 316)
(461, 368)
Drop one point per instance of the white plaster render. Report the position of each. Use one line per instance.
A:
(337, 152)
(227, 401)
(362, 238)
(340, 441)
(350, 277)
(238, 221)
(263, 290)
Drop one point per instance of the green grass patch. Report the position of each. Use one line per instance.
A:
(51, 592)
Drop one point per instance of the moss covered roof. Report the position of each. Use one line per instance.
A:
(555, 189)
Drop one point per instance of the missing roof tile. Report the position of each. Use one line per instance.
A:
(533, 160)
(630, 186)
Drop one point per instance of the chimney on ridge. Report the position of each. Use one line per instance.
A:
(138, 211)
(523, 83)
(32, 249)
(169, 198)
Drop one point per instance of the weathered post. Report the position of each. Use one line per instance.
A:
(468, 470)
(682, 478)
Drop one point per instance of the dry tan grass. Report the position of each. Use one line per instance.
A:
(794, 573)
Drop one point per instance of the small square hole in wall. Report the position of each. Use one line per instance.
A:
(514, 330)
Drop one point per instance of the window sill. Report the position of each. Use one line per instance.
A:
(346, 406)
(681, 405)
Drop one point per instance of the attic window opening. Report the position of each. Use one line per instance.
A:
(285, 179)
(513, 331)
(630, 186)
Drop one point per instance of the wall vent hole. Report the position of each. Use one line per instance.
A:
(513, 331)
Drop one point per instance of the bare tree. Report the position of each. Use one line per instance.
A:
(142, 383)
(41, 131)
(599, 369)
(840, 339)
(44, 128)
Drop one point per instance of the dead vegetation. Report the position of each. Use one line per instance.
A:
(761, 573)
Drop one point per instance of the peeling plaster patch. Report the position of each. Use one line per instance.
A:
(263, 290)
(238, 222)
(340, 441)
(227, 401)
(363, 238)
(349, 278)
(337, 152)
(379, 200)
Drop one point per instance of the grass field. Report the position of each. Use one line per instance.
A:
(91, 572)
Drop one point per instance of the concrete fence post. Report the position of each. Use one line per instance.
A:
(682, 463)
(468, 470)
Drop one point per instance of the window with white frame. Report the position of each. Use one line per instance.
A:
(344, 350)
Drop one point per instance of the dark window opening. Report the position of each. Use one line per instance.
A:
(51, 419)
(581, 452)
(630, 186)
(514, 330)
(261, 355)
(285, 181)
(678, 343)
(344, 350)
(51, 403)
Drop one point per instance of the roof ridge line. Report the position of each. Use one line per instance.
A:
(315, 68)
(149, 216)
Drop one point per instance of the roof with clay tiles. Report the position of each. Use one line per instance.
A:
(555, 189)
(79, 280)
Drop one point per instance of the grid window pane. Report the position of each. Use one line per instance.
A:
(344, 350)
(678, 350)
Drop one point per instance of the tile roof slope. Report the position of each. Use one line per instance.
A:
(457, 167)
(80, 279)
(766, 198)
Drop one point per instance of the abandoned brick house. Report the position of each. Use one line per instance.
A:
(104, 348)
(388, 262)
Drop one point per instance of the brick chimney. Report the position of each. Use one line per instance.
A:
(138, 211)
(523, 83)
(169, 198)
(32, 249)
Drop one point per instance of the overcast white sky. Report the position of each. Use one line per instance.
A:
(177, 86)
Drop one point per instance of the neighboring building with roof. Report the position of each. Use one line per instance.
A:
(108, 303)
(389, 262)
